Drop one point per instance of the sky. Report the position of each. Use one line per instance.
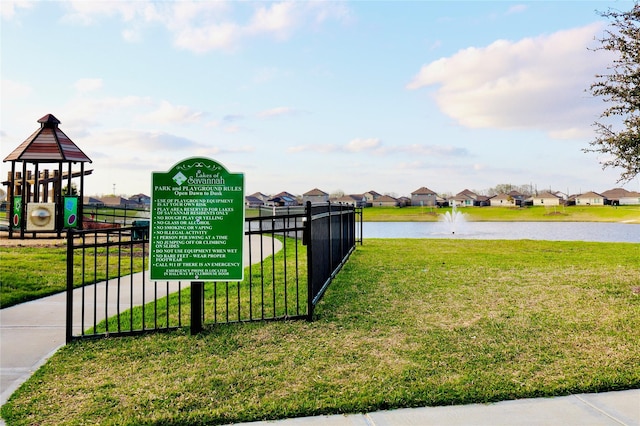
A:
(346, 97)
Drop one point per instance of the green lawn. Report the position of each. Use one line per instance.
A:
(28, 273)
(406, 323)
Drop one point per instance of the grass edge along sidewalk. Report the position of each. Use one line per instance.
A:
(406, 323)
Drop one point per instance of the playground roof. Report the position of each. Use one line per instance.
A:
(48, 144)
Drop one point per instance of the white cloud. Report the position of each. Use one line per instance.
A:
(88, 12)
(212, 37)
(274, 112)
(85, 85)
(535, 83)
(202, 26)
(92, 111)
(9, 8)
(278, 19)
(15, 90)
(431, 150)
(359, 145)
(277, 112)
(517, 8)
(150, 143)
(322, 149)
(169, 113)
(376, 147)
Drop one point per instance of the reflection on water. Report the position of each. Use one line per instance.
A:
(553, 231)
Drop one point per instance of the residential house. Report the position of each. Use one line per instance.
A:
(259, 195)
(424, 197)
(404, 201)
(92, 201)
(386, 201)
(464, 198)
(117, 201)
(502, 200)
(252, 201)
(357, 200)
(518, 197)
(370, 196)
(620, 196)
(545, 199)
(141, 200)
(590, 199)
(564, 198)
(315, 196)
(482, 201)
(283, 199)
(632, 198)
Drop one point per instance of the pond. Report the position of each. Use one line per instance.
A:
(553, 231)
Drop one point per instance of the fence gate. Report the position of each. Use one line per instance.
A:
(291, 257)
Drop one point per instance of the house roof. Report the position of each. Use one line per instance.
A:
(386, 199)
(466, 193)
(285, 198)
(545, 194)
(616, 193)
(502, 196)
(284, 194)
(349, 199)
(590, 194)
(423, 191)
(315, 192)
(260, 195)
(253, 199)
(48, 144)
(91, 200)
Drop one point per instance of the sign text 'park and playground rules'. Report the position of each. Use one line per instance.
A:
(197, 222)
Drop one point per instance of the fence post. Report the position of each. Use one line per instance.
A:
(197, 298)
(308, 237)
(69, 314)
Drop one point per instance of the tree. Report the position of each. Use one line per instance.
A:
(621, 89)
(74, 189)
(338, 193)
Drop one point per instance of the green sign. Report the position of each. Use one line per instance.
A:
(16, 217)
(197, 222)
(70, 212)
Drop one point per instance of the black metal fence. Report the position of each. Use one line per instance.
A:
(291, 258)
(126, 215)
(330, 239)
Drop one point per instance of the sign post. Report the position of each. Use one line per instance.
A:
(197, 223)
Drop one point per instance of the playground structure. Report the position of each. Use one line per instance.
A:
(38, 201)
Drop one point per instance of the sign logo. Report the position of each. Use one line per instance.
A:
(180, 178)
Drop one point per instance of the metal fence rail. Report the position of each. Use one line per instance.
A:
(290, 260)
(114, 215)
(107, 292)
(330, 239)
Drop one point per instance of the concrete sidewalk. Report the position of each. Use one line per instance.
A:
(608, 408)
(31, 332)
